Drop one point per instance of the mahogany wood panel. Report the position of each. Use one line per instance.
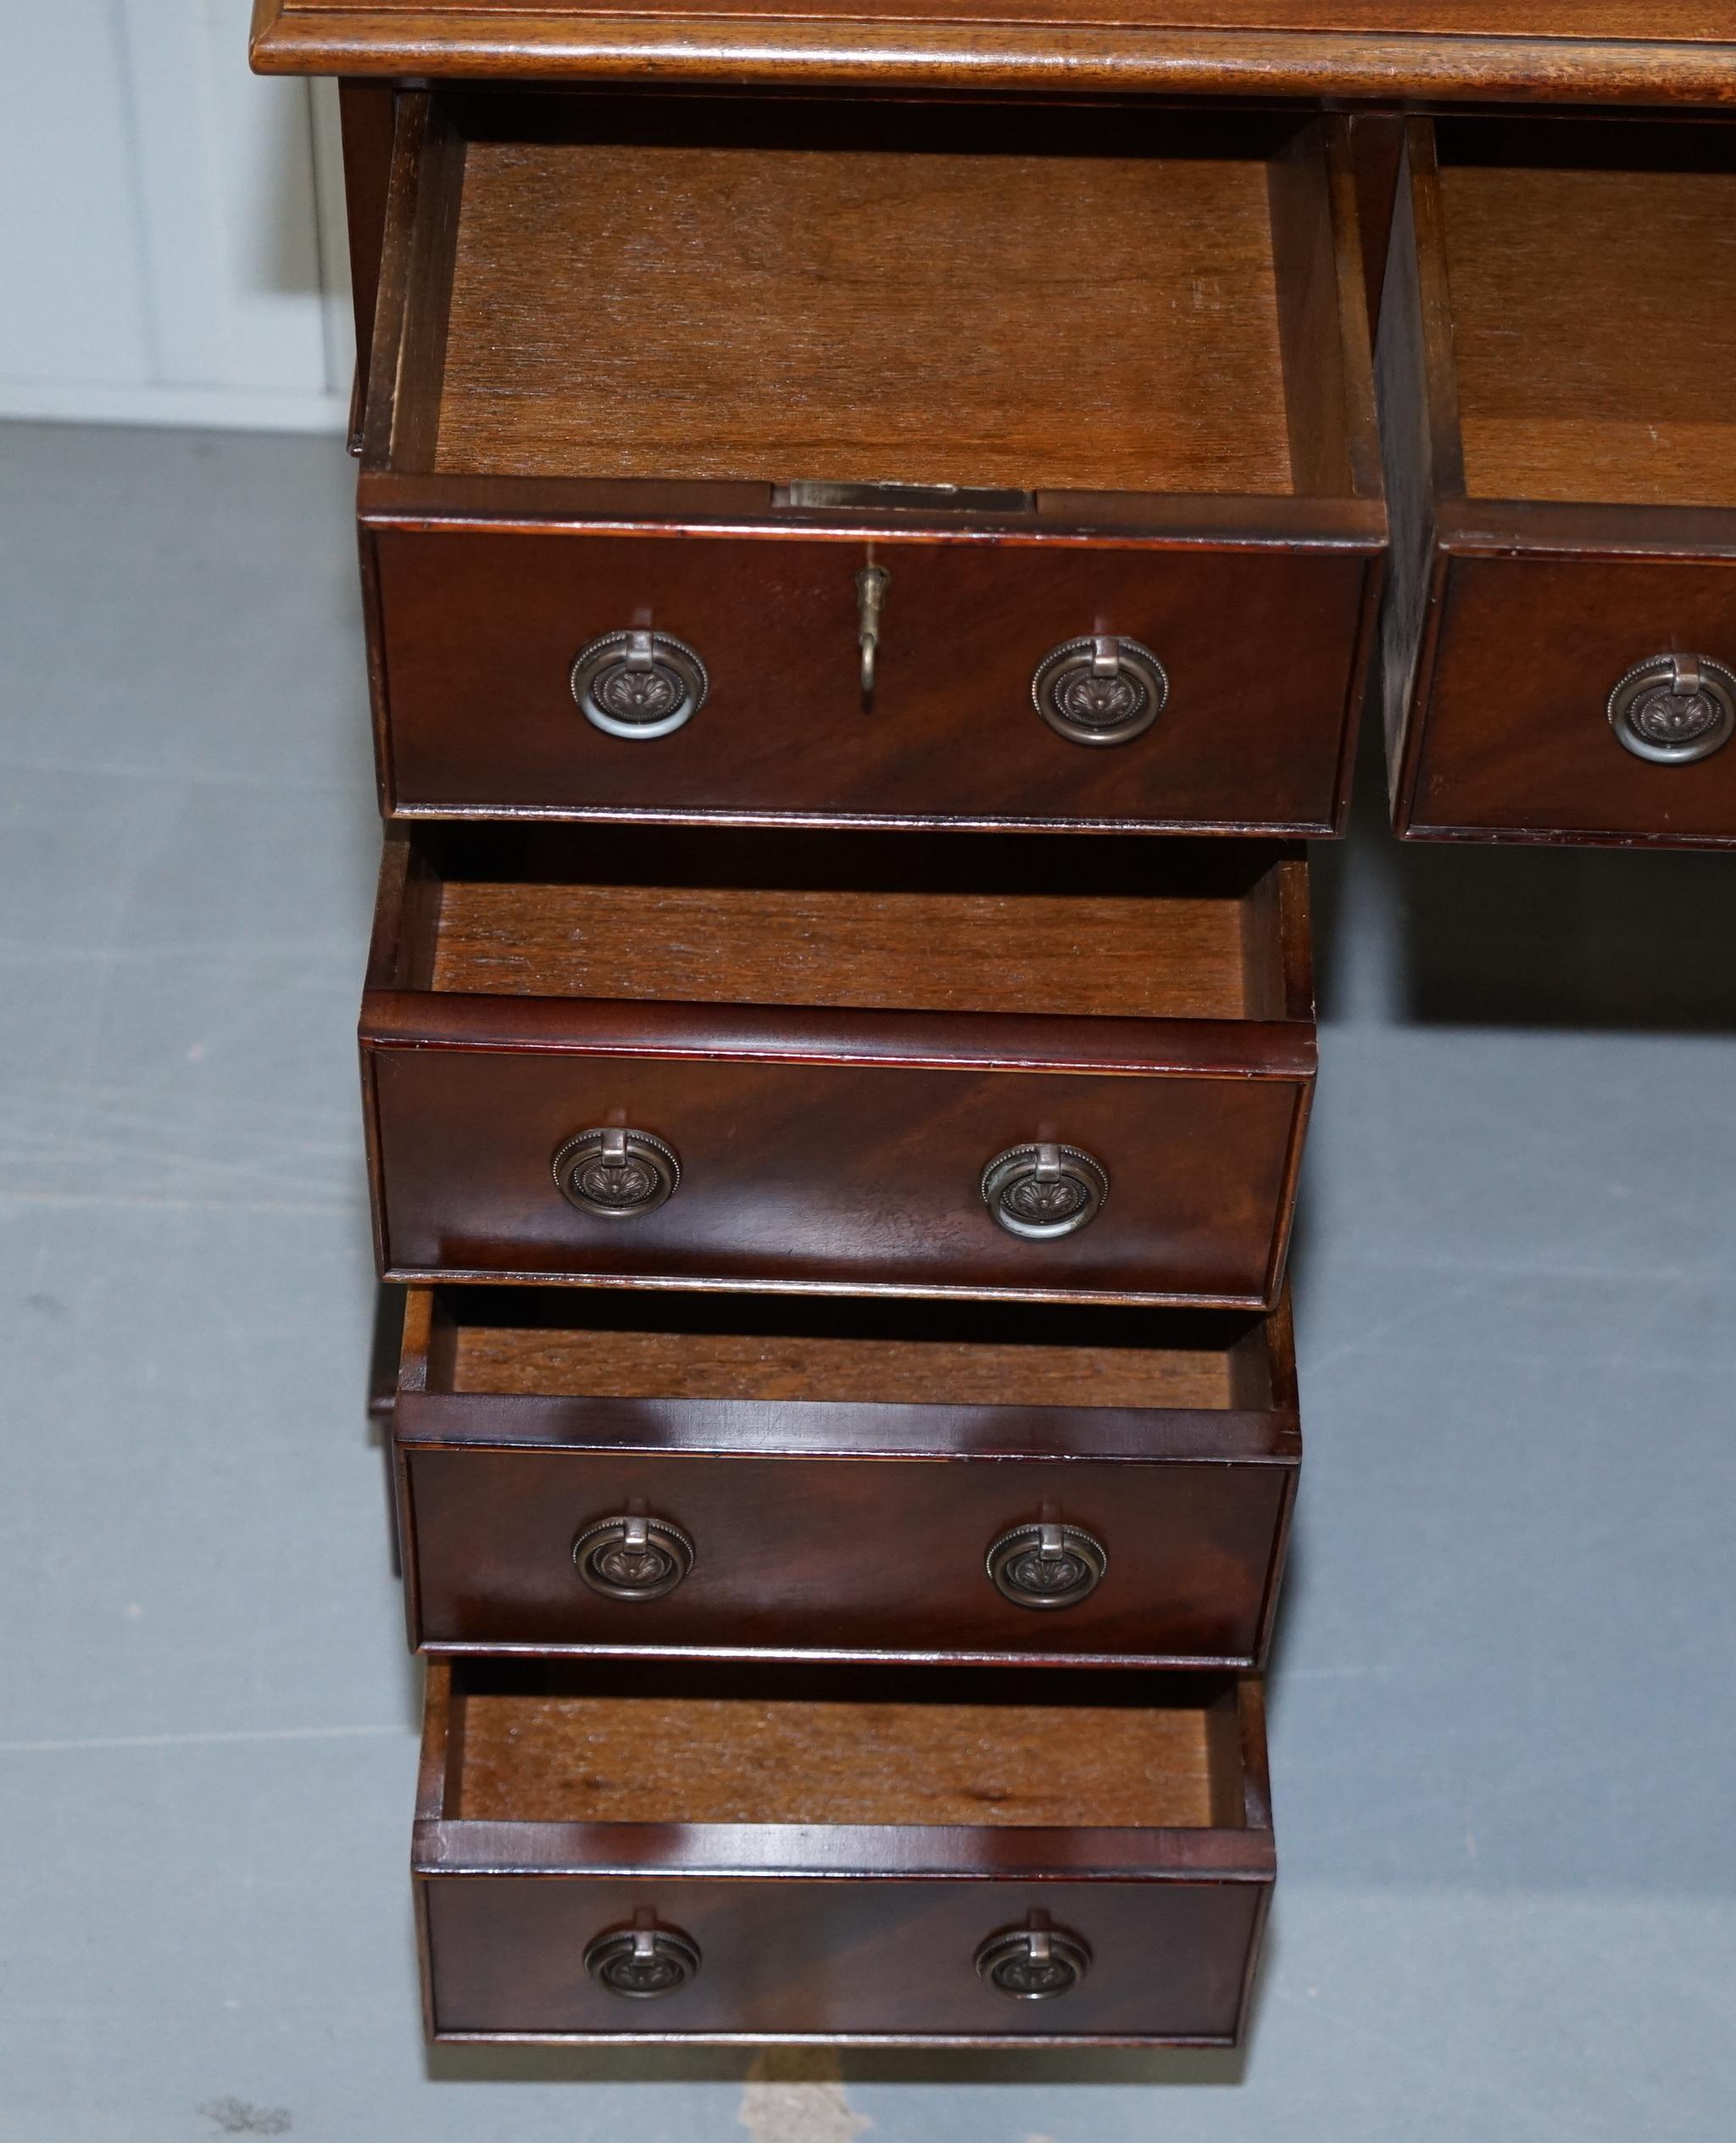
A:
(1578, 378)
(479, 631)
(1139, 1820)
(839, 1150)
(824, 1175)
(1376, 157)
(1532, 756)
(593, 1364)
(561, 1345)
(826, 307)
(625, 402)
(1586, 50)
(696, 1757)
(1560, 444)
(839, 1503)
(367, 115)
(1105, 956)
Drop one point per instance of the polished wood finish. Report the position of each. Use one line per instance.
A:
(840, 1149)
(821, 298)
(613, 333)
(647, 1757)
(367, 121)
(842, 1469)
(1576, 382)
(1556, 354)
(606, 343)
(1544, 51)
(385, 1356)
(480, 627)
(503, 1342)
(1088, 955)
(839, 1848)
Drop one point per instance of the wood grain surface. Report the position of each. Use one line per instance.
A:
(1529, 347)
(832, 1177)
(1593, 276)
(599, 1363)
(863, 921)
(552, 1345)
(1156, 958)
(840, 1928)
(838, 1959)
(813, 307)
(838, 1149)
(1582, 51)
(479, 627)
(850, 1550)
(482, 585)
(701, 1759)
(842, 1468)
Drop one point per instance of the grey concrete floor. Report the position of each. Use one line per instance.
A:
(1502, 1717)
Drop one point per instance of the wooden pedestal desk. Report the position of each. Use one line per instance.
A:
(876, 528)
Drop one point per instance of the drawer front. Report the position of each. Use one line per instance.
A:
(857, 1556)
(792, 1957)
(833, 1176)
(1516, 737)
(479, 633)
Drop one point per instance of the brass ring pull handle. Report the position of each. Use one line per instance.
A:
(1674, 709)
(1099, 690)
(616, 1175)
(1047, 1565)
(1042, 1191)
(1033, 1963)
(633, 1557)
(872, 583)
(639, 685)
(640, 1963)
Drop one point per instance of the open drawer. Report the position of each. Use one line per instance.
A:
(660, 386)
(841, 1063)
(652, 1852)
(613, 1472)
(1558, 381)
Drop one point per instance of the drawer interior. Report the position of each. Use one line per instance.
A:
(1591, 267)
(1016, 297)
(548, 1742)
(881, 922)
(632, 1345)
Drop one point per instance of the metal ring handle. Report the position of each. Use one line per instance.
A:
(1047, 1565)
(639, 685)
(633, 1557)
(1674, 709)
(1033, 1963)
(641, 1964)
(1099, 690)
(1042, 1191)
(616, 1175)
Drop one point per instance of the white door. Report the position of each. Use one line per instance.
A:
(171, 247)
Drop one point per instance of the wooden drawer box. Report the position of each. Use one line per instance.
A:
(1558, 377)
(647, 1851)
(838, 1050)
(690, 368)
(841, 1478)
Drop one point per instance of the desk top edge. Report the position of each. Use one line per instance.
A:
(1573, 55)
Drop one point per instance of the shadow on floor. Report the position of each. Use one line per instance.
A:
(1611, 939)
